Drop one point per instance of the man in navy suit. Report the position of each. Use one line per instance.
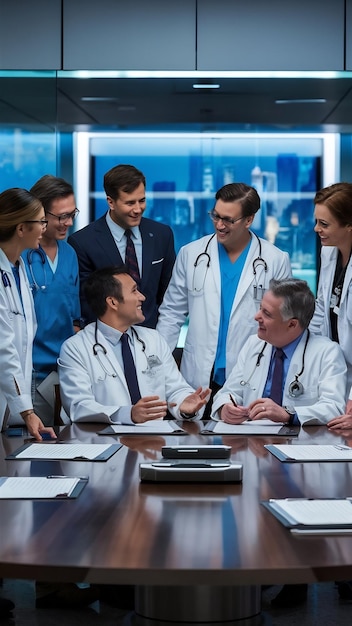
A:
(103, 242)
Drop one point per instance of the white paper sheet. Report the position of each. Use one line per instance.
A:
(258, 427)
(315, 512)
(151, 427)
(60, 451)
(316, 452)
(36, 487)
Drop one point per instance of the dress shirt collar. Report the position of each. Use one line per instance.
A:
(118, 232)
(112, 335)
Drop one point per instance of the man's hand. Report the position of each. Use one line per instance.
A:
(233, 414)
(148, 408)
(195, 401)
(266, 408)
(36, 427)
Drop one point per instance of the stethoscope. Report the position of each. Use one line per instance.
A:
(295, 388)
(34, 285)
(258, 290)
(108, 367)
(9, 293)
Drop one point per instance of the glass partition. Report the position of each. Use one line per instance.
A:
(184, 171)
(28, 137)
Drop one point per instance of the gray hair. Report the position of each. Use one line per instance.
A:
(298, 299)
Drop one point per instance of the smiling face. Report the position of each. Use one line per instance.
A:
(57, 229)
(330, 231)
(232, 236)
(128, 208)
(130, 310)
(31, 232)
(271, 325)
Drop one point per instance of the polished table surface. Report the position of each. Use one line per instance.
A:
(122, 531)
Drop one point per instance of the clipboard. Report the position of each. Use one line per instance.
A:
(152, 427)
(257, 427)
(305, 453)
(59, 451)
(41, 487)
(303, 521)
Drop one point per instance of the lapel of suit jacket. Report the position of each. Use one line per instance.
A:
(106, 242)
(148, 247)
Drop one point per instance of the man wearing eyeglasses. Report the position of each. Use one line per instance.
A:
(218, 282)
(52, 271)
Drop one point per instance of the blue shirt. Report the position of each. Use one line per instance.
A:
(56, 302)
(230, 276)
(288, 350)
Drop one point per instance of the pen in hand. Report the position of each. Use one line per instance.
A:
(234, 403)
(233, 400)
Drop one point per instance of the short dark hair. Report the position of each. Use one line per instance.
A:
(299, 300)
(122, 178)
(48, 188)
(244, 194)
(338, 199)
(101, 284)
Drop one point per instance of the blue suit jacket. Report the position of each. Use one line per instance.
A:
(96, 248)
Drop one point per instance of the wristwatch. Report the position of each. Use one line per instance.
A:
(187, 416)
(291, 412)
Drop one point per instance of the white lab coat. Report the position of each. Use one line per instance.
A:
(320, 323)
(203, 305)
(323, 379)
(93, 388)
(17, 333)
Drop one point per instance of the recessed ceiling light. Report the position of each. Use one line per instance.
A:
(206, 86)
(302, 101)
(97, 99)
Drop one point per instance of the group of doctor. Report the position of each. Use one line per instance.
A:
(227, 285)
(217, 283)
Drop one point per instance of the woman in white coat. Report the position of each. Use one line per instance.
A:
(22, 222)
(333, 312)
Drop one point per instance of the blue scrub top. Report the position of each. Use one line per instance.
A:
(230, 277)
(56, 302)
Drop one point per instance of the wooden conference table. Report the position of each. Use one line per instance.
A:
(186, 538)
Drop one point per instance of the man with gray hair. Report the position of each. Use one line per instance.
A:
(285, 374)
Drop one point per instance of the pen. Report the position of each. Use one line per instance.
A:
(233, 400)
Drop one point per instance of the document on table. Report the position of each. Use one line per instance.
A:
(152, 427)
(310, 453)
(254, 427)
(39, 488)
(313, 514)
(58, 451)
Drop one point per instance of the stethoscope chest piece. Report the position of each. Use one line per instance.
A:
(295, 388)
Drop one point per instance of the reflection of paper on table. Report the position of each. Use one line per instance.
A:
(256, 427)
(315, 512)
(60, 451)
(29, 487)
(155, 427)
(315, 452)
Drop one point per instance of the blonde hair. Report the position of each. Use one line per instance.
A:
(16, 206)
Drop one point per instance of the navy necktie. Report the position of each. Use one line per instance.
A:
(278, 376)
(130, 369)
(131, 258)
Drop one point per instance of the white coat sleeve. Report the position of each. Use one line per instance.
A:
(328, 390)
(173, 310)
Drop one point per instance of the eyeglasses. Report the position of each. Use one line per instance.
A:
(225, 220)
(65, 217)
(43, 223)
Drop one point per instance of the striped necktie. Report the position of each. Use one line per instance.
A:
(131, 258)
